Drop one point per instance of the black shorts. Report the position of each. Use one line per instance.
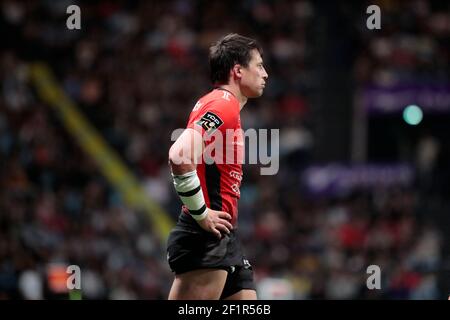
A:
(189, 248)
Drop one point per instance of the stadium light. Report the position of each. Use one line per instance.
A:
(412, 115)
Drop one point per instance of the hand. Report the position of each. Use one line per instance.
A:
(216, 222)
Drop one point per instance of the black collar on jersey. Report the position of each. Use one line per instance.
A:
(220, 88)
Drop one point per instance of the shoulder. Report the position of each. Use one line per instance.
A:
(216, 110)
(221, 102)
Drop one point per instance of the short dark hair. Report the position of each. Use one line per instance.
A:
(230, 50)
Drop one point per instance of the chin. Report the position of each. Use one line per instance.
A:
(257, 94)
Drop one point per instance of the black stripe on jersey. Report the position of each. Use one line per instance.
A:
(189, 193)
(199, 211)
(212, 177)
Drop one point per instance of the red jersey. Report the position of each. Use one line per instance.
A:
(217, 116)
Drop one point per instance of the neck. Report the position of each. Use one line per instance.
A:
(234, 89)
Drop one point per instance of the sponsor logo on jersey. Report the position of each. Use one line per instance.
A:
(236, 175)
(235, 188)
(210, 122)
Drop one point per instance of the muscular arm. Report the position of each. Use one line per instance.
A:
(184, 155)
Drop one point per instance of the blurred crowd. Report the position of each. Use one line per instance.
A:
(411, 47)
(135, 70)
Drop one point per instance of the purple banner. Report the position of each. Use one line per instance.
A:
(337, 179)
(383, 100)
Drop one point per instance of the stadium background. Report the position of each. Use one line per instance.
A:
(84, 177)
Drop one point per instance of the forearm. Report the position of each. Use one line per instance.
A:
(190, 192)
(182, 162)
(187, 185)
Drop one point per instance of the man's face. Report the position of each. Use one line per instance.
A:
(254, 76)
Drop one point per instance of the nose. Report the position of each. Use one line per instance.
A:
(265, 75)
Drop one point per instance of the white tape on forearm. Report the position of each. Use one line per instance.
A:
(191, 194)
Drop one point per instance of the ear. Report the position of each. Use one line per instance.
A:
(236, 71)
